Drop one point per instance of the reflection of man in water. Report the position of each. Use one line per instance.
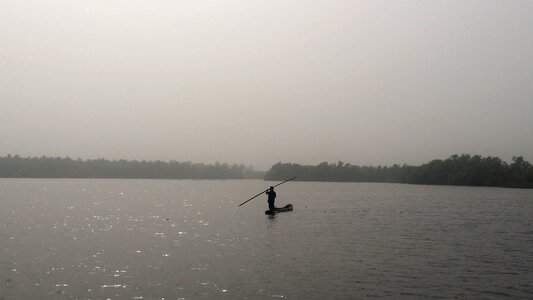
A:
(271, 198)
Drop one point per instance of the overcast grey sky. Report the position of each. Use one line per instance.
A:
(257, 82)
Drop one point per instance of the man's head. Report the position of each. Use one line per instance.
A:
(271, 188)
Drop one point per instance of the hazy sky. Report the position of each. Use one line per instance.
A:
(257, 82)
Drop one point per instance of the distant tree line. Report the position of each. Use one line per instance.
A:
(462, 169)
(57, 167)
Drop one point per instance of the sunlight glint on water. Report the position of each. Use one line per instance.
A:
(154, 239)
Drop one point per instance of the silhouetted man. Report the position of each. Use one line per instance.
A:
(271, 198)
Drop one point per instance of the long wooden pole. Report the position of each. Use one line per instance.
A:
(266, 190)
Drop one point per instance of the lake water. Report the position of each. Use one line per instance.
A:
(167, 239)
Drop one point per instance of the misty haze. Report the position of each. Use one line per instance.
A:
(266, 149)
(253, 83)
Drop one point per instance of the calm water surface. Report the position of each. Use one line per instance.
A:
(164, 239)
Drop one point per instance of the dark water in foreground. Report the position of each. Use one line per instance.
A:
(159, 239)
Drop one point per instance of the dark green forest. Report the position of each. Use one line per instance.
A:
(464, 169)
(50, 167)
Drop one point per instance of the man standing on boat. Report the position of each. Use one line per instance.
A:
(271, 198)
